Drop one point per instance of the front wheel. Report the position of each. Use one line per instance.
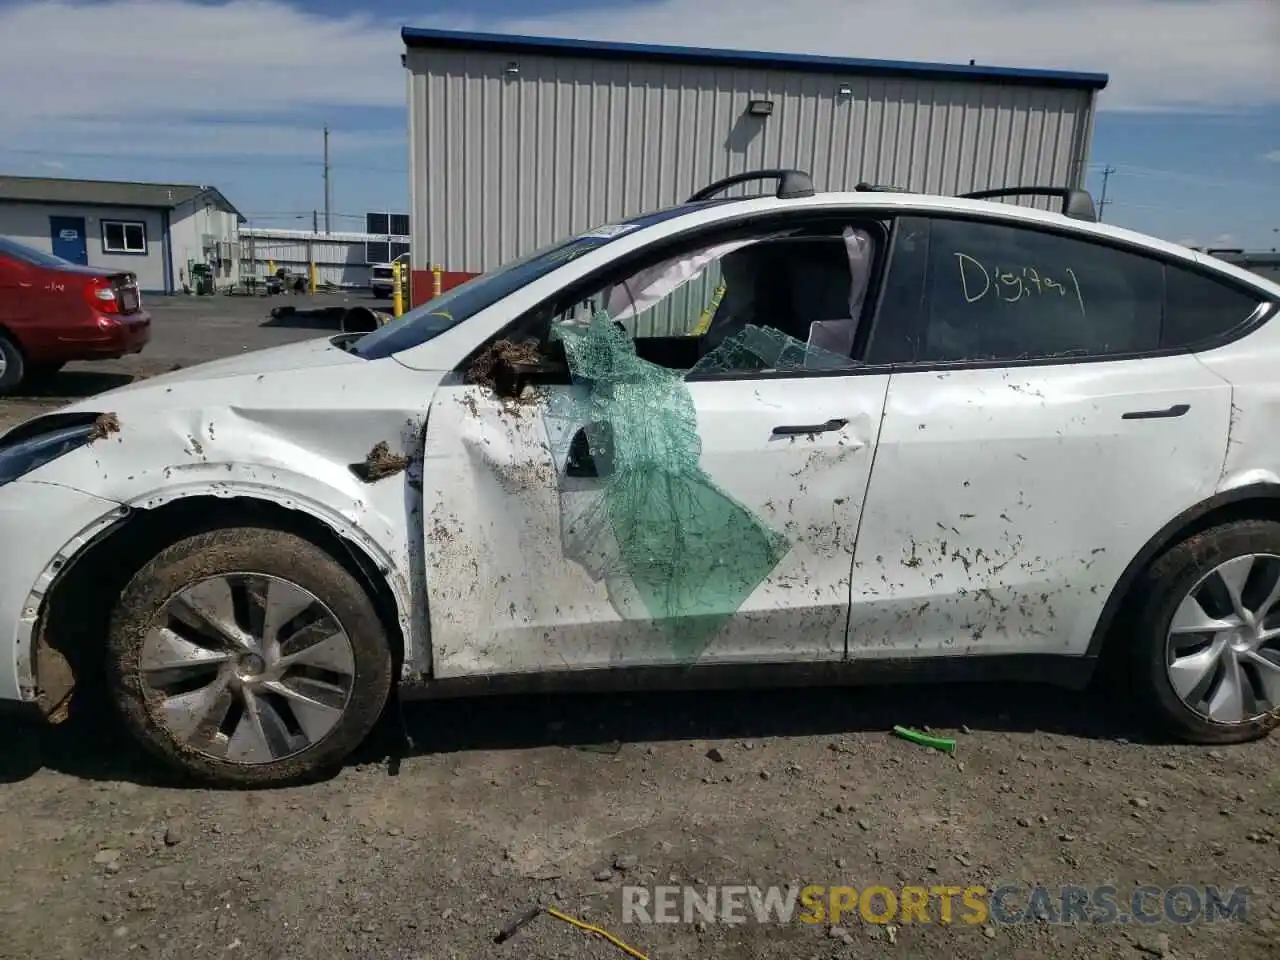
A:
(248, 656)
(1207, 651)
(12, 366)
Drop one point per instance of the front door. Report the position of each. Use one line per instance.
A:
(721, 528)
(678, 503)
(1008, 499)
(67, 239)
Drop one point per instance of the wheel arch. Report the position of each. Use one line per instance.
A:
(1255, 501)
(67, 636)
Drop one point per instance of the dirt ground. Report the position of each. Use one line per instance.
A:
(426, 848)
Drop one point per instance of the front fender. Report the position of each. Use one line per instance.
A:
(377, 536)
(362, 521)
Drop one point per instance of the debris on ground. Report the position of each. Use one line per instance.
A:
(104, 426)
(380, 463)
(309, 313)
(504, 351)
(599, 932)
(945, 744)
(511, 929)
(364, 320)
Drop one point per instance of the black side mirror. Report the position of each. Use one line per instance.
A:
(510, 378)
(507, 367)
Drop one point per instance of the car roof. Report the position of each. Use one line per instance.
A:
(994, 210)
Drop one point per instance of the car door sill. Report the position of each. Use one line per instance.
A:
(1071, 672)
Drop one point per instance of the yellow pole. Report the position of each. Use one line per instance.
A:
(397, 290)
(315, 275)
(437, 278)
(271, 268)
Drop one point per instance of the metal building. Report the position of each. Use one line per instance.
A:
(1265, 263)
(518, 141)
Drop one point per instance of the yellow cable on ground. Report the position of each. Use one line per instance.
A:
(630, 951)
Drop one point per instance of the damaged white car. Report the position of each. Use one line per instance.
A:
(796, 438)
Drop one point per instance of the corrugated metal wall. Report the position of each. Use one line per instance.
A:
(502, 164)
(340, 258)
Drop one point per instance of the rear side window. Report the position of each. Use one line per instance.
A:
(1200, 309)
(997, 292)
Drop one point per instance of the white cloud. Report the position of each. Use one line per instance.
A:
(1273, 156)
(203, 137)
(1160, 54)
(153, 73)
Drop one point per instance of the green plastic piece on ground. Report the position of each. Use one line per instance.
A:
(945, 744)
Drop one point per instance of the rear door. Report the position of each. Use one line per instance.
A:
(676, 503)
(1038, 435)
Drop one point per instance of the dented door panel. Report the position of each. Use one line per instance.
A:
(532, 563)
(1006, 503)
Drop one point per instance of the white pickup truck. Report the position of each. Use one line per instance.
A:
(381, 277)
(381, 283)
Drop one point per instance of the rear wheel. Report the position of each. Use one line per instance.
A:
(248, 656)
(1207, 658)
(12, 366)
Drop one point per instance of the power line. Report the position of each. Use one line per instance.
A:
(193, 159)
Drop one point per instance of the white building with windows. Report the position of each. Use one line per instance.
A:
(156, 230)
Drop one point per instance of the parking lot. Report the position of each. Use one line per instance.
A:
(186, 331)
(459, 816)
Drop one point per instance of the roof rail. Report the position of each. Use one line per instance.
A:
(865, 187)
(792, 184)
(1077, 204)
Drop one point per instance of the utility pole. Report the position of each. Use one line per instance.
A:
(1107, 171)
(326, 180)
(315, 226)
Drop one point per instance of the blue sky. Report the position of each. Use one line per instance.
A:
(235, 93)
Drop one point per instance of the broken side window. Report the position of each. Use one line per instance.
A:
(776, 302)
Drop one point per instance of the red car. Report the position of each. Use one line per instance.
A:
(53, 311)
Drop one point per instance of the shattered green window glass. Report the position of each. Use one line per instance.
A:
(658, 530)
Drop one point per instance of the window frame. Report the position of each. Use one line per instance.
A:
(916, 325)
(124, 234)
(723, 231)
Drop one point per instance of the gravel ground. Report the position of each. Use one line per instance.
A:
(458, 816)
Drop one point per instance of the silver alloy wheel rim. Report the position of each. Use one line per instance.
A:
(4, 363)
(1223, 647)
(247, 668)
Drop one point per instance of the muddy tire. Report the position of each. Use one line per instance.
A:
(12, 366)
(248, 657)
(1201, 620)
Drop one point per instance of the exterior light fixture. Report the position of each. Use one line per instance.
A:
(760, 108)
(513, 69)
(845, 90)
